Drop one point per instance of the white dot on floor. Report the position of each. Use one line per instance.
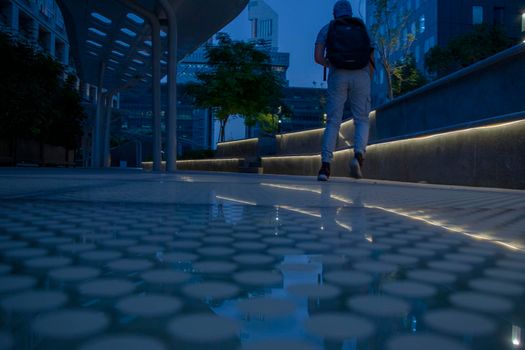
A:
(203, 328)
(481, 302)
(423, 341)
(266, 307)
(378, 305)
(149, 305)
(409, 289)
(70, 324)
(211, 290)
(124, 341)
(339, 326)
(459, 323)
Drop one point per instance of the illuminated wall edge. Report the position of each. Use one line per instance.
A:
(488, 156)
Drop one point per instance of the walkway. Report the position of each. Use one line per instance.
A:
(93, 260)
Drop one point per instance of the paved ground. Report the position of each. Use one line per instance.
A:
(125, 259)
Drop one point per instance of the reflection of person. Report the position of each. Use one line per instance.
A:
(344, 46)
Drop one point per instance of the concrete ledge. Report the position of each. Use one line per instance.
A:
(488, 156)
(247, 147)
(219, 165)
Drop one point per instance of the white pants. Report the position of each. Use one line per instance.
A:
(344, 84)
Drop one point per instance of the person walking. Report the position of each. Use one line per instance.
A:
(344, 47)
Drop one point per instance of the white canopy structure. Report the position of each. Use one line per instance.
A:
(121, 43)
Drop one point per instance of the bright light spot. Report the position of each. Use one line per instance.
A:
(122, 43)
(120, 54)
(144, 53)
(138, 61)
(163, 34)
(322, 228)
(94, 43)
(516, 336)
(235, 200)
(135, 19)
(148, 42)
(97, 32)
(101, 18)
(128, 32)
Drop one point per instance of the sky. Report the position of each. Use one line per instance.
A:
(299, 23)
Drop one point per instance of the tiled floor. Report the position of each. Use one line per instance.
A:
(128, 260)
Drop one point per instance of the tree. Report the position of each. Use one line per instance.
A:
(406, 77)
(390, 35)
(483, 41)
(240, 81)
(36, 102)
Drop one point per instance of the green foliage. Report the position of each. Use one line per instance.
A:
(36, 103)
(483, 41)
(240, 82)
(390, 34)
(406, 77)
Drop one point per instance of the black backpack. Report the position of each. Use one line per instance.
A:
(348, 44)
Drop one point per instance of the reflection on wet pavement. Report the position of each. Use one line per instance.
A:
(98, 261)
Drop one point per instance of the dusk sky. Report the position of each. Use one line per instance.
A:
(299, 23)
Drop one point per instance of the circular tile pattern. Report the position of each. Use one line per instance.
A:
(253, 259)
(481, 302)
(47, 263)
(100, 256)
(70, 324)
(149, 306)
(459, 323)
(124, 341)
(317, 291)
(130, 265)
(280, 344)
(346, 278)
(378, 305)
(34, 302)
(376, 267)
(423, 341)
(450, 266)
(258, 278)
(166, 277)
(214, 267)
(11, 284)
(402, 260)
(408, 289)
(106, 288)
(432, 276)
(266, 307)
(339, 326)
(74, 274)
(211, 290)
(5, 269)
(495, 286)
(203, 328)
(506, 274)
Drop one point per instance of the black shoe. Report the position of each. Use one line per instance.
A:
(324, 172)
(356, 165)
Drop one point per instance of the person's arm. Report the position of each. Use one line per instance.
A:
(319, 55)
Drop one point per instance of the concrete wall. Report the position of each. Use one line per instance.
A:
(488, 156)
(492, 87)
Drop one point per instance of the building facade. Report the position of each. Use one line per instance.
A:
(264, 23)
(38, 23)
(436, 22)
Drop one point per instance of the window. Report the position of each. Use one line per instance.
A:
(477, 14)
(499, 16)
(422, 24)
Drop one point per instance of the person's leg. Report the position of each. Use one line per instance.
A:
(360, 104)
(337, 95)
